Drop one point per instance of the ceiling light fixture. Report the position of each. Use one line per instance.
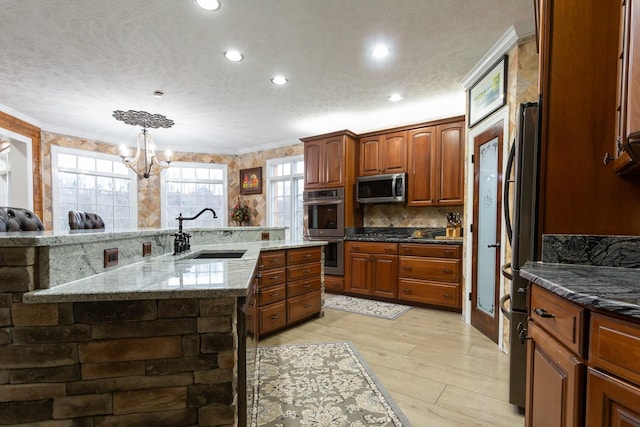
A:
(209, 5)
(158, 94)
(395, 97)
(145, 157)
(279, 80)
(380, 51)
(233, 56)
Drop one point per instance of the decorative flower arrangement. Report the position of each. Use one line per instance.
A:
(240, 213)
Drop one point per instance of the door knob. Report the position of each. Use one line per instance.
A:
(495, 245)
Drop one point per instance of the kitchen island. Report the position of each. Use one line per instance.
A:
(584, 331)
(158, 341)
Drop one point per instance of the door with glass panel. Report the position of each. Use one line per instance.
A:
(487, 207)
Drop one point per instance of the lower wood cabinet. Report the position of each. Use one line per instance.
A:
(289, 287)
(372, 268)
(333, 283)
(569, 384)
(407, 272)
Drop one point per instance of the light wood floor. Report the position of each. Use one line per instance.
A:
(439, 370)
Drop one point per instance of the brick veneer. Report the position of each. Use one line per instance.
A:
(119, 363)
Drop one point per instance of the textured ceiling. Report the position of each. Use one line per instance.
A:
(68, 64)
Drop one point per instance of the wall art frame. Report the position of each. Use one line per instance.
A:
(489, 93)
(251, 181)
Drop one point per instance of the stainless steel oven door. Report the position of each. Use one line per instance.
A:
(333, 256)
(324, 218)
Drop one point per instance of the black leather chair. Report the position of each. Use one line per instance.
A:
(19, 219)
(85, 221)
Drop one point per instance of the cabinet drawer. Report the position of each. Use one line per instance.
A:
(434, 251)
(272, 259)
(272, 317)
(562, 319)
(372, 247)
(429, 293)
(272, 277)
(272, 294)
(333, 283)
(303, 306)
(302, 256)
(303, 271)
(615, 347)
(440, 270)
(304, 286)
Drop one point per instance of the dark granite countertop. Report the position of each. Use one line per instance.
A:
(399, 235)
(613, 289)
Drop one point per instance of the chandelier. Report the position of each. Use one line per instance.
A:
(145, 157)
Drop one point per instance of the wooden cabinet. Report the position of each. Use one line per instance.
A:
(289, 287)
(436, 165)
(381, 154)
(627, 114)
(371, 268)
(333, 283)
(430, 274)
(555, 383)
(564, 387)
(613, 382)
(555, 361)
(329, 160)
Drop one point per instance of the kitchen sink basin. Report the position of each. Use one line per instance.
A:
(217, 254)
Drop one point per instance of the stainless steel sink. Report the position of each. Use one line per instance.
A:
(213, 254)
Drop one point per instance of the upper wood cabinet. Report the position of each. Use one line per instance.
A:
(627, 115)
(328, 160)
(385, 153)
(436, 165)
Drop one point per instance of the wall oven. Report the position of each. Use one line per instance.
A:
(324, 220)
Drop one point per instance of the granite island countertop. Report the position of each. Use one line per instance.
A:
(612, 289)
(168, 276)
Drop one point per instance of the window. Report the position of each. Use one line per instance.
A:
(5, 173)
(285, 183)
(188, 188)
(93, 182)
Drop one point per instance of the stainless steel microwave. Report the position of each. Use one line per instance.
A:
(387, 188)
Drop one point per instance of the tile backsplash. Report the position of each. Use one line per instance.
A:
(400, 215)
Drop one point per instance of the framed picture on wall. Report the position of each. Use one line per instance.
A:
(489, 93)
(251, 181)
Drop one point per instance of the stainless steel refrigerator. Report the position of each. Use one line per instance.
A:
(522, 230)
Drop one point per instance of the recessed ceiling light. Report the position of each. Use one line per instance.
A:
(380, 51)
(208, 4)
(279, 80)
(158, 94)
(233, 56)
(395, 97)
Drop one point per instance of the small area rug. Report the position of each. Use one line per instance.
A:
(320, 385)
(385, 310)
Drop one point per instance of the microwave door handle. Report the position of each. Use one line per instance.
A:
(393, 187)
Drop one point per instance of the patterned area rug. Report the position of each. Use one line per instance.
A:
(320, 385)
(386, 310)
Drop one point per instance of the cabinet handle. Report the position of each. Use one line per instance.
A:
(406, 291)
(406, 267)
(447, 252)
(275, 294)
(274, 277)
(306, 286)
(522, 333)
(258, 276)
(388, 249)
(274, 260)
(447, 296)
(261, 266)
(543, 313)
(274, 317)
(447, 271)
(407, 251)
(355, 248)
(307, 256)
(307, 306)
(306, 271)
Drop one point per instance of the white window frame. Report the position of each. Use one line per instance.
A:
(163, 185)
(270, 180)
(56, 150)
